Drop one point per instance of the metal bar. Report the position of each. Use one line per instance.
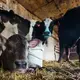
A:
(43, 6)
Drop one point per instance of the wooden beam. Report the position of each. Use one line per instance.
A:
(57, 6)
(33, 14)
(43, 6)
(29, 10)
(48, 1)
(4, 1)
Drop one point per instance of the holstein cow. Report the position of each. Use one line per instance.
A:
(69, 31)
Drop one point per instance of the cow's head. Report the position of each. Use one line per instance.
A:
(14, 57)
(48, 27)
(41, 30)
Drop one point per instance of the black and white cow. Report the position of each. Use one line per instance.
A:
(15, 24)
(69, 31)
(44, 29)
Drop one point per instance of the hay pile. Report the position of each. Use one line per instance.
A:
(52, 71)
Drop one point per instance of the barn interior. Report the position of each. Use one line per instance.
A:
(40, 9)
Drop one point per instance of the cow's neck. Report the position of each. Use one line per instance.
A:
(9, 30)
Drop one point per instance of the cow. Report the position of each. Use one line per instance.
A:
(69, 31)
(14, 57)
(15, 24)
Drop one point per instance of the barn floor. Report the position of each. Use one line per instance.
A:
(53, 71)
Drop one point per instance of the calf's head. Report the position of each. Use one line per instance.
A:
(14, 57)
(42, 30)
(48, 27)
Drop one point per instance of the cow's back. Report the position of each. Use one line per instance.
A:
(69, 27)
